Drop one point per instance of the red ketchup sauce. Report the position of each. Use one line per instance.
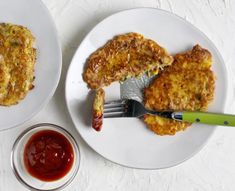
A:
(97, 122)
(48, 155)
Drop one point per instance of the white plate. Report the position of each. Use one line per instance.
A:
(35, 16)
(127, 141)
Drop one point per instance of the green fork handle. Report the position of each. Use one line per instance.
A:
(205, 118)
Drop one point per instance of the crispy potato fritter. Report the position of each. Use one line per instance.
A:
(98, 108)
(17, 59)
(125, 56)
(187, 85)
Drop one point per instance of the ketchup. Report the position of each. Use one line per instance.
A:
(97, 122)
(48, 155)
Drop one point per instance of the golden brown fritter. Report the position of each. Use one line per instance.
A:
(4, 78)
(195, 59)
(127, 55)
(98, 108)
(164, 126)
(181, 90)
(17, 60)
(187, 85)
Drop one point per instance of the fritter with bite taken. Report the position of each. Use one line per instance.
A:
(98, 108)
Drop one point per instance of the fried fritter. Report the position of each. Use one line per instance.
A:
(164, 126)
(125, 56)
(187, 85)
(98, 108)
(17, 60)
(4, 78)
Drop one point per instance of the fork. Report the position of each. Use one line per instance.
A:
(133, 108)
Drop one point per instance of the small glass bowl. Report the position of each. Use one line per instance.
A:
(17, 160)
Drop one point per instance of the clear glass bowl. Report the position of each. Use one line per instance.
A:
(17, 160)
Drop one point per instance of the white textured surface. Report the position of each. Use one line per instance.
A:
(212, 169)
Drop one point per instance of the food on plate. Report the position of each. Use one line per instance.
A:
(4, 77)
(164, 126)
(187, 85)
(185, 82)
(125, 56)
(48, 155)
(17, 60)
(98, 108)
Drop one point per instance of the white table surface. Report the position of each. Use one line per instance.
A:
(212, 169)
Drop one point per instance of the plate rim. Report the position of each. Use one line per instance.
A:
(196, 29)
(52, 91)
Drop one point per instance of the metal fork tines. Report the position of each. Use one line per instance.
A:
(130, 108)
(115, 108)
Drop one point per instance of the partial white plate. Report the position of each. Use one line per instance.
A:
(35, 16)
(127, 141)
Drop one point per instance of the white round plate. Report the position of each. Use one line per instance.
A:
(127, 141)
(35, 16)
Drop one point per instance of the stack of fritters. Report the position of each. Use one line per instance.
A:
(187, 85)
(17, 60)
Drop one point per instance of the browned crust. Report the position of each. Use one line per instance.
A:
(198, 58)
(127, 55)
(163, 126)
(188, 84)
(192, 90)
(98, 108)
(19, 57)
